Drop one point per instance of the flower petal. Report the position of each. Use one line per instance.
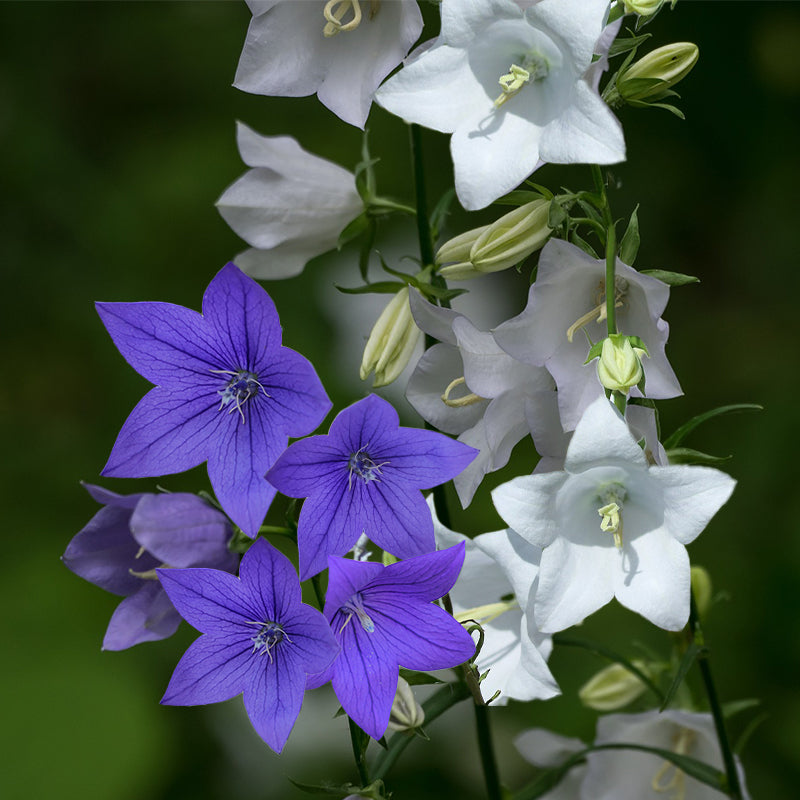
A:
(145, 616)
(270, 581)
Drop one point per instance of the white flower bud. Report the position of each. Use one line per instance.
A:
(644, 8)
(613, 687)
(620, 365)
(455, 252)
(701, 589)
(392, 341)
(669, 65)
(407, 713)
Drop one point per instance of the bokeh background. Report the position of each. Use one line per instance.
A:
(116, 137)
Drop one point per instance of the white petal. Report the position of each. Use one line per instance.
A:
(518, 559)
(575, 24)
(527, 504)
(433, 320)
(544, 748)
(464, 20)
(285, 260)
(469, 479)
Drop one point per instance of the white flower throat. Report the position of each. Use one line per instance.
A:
(534, 67)
(336, 14)
(610, 511)
(598, 313)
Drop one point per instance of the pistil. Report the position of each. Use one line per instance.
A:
(599, 312)
(335, 10)
(534, 68)
(459, 402)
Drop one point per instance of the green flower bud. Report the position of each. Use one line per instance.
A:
(498, 246)
(644, 8)
(407, 713)
(392, 341)
(620, 365)
(650, 76)
(701, 589)
(613, 687)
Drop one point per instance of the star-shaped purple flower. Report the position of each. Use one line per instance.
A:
(132, 535)
(365, 476)
(259, 639)
(226, 392)
(384, 618)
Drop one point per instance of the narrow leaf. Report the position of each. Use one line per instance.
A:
(737, 706)
(331, 789)
(670, 278)
(676, 438)
(380, 287)
(629, 246)
(353, 230)
(582, 243)
(440, 212)
(413, 678)
(685, 455)
(745, 735)
(692, 652)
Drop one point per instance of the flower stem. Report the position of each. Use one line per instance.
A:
(493, 790)
(357, 740)
(611, 251)
(317, 584)
(423, 225)
(734, 789)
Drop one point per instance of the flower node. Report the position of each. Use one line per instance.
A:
(355, 605)
(362, 465)
(335, 10)
(269, 634)
(240, 388)
(533, 68)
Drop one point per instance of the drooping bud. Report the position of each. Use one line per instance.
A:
(644, 8)
(407, 713)
(392, 341)
(613, 687)
(620, 365)
(498, 246)
(651, 76)
(701, 589)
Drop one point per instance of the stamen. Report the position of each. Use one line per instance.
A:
(334, 11)
(362, 464)
(355, 606)
(598, 313)
(534, 68)
(611, 497)
(147, 575)
(269, 635)
(242, 386)
(487, 613)
(677, 778)
(459, 402)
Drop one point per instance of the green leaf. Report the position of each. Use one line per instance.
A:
(519, 197)
(745, 735)
(685, 455)
(578, 240)
(670, 278)
(556, 215)
(379, 287)
(331, 789)
(594, 352)
(737, 706)
(366, 250)
(629, 246)
(676, 438)
(543, 190)
(417, 678)
(693, 651)
(440, 213)
(611, 655)
(620, 46)
(440, 293)
(353, 230)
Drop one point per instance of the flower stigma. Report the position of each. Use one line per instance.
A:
(355, 605)
(459, 402)
(335, 10)
(534, 68)
(598, 313)
(681, 744)
(611, 511)
(242, 386)
(362, 465)
(269, 634)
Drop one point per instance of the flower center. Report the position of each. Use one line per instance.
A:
(598, 313)
(355, 605)
(534, 67)
(241, 387)
(670, 778)
(336, 10)
(269, 634)
(610, 510)
(464, 400)
(362, 465)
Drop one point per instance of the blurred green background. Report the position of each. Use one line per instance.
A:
(116, 136)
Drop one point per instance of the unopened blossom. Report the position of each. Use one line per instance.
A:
(619, 367)
(384, 618)
(365, 477)
(611, 525)
(659, 70)
(516, 88)
(289, 207)
(258, 639)
(225, 392)
(613, 687)
(339, 50)
(566, 305)
(407, 713)
(123, 543)
(493, 590)
(469, 386)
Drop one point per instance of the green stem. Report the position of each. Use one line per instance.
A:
(423, 225)
(490, 774)
(356, 736)
(316, 583)
(611, 251)
(734, 789)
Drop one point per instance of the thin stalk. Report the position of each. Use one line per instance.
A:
(358, 752)
(611, 251)
(734, 787)
(490, 774)
(423, 225)
(317, 584)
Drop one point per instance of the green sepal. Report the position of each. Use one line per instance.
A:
(543, 190)
(379, 287)
(595, 351)
(670, 278)
(413, 678)
(685, 455)
(737, 706)
(353, 230)
(440, 212)
(620, 46)
(521, 196)
(637, 342)
(679, 435)
(365, 251)
(693, 651)
(750, 729)
(633, 86)
(364, 174)
(556, 215)
(629, 246)
(579, 241)
(331, 789)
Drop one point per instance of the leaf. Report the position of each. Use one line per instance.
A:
(629, 246)
(611, 655)
(594, 352)
(582, 243)
(380, 287)
(440, 212)
(737, 706)
(341, 790)
(556, 215)
(543, 190)
(353, 230)
(745, 735)
(693, 651)
(519, 197)
(679, 435)
(414, 678)
(366, 250)
(685, 455)
(440, 293)
(620, 46)
(670, 278)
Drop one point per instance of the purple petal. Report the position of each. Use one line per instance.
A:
(345, 578)
(167, 432)
(269, 580)
(363, 423)
(182, 530)
(243, 318)
(309, 639)
(213, 669)
(307, 464)
(109, 498)
(398, 519)
(145, 616)
(425, 578)
(163, 342)
(273, 697)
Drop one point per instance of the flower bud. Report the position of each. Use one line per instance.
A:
(613, 687)
(498, 246)
(392, 341)
(701, 589)
(407, 713)
(650, 76)
(620, 365)
(644, 8)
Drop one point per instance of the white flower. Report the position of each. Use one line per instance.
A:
(290, 207)
(293, 49)
(493, 587)
(515, 87)
(612, 526)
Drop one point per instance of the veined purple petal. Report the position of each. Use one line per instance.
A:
(364, 423)
(308, 464)
(269, 580)
(166, 433)
(213, 669)
(163, 342)
(345, 578)
(243, 318)
(145, 616)
(311, 643)
(109, 498)
(399, 520)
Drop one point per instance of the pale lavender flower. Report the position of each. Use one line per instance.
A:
(128, 538)
(226, 392)
(259, 639)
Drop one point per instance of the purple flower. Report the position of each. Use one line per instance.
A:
(132, 535)
(259, 639)
(226, 392)
(384, 618)
(365, 476)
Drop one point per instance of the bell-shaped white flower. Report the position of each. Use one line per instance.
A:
(290, 207)
(339, 49)
(516, 88)
(493, 588)
(612, 525)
